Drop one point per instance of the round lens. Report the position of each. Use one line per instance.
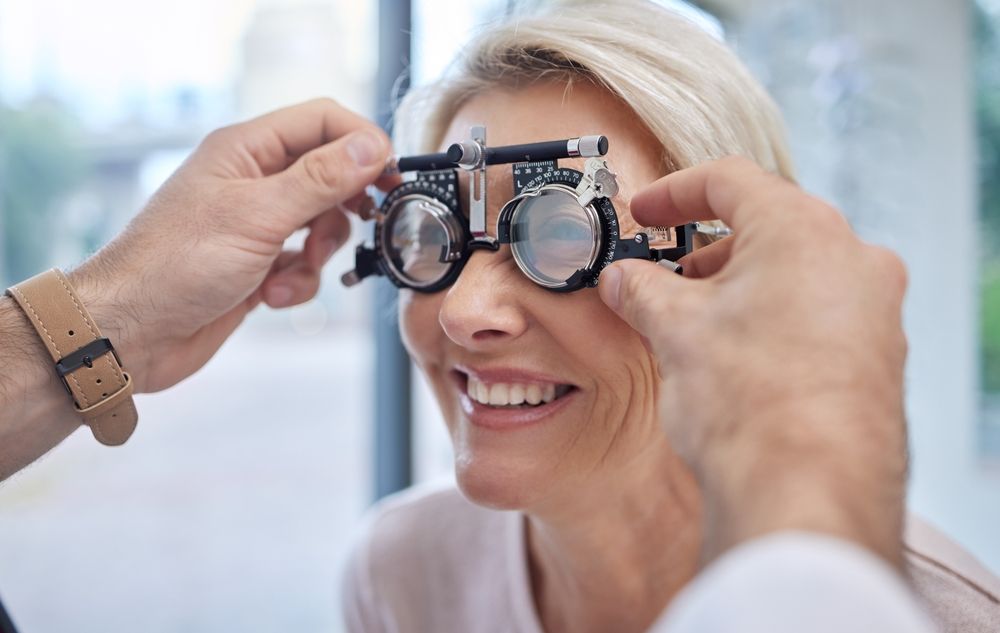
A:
(415, 238)
(552, 237)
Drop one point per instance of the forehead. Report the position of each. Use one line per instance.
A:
(546, 111)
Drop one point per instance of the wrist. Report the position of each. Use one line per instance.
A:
(106, 296)
(809, 471)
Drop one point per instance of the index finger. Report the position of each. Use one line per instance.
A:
(277, 139)
(718, 190)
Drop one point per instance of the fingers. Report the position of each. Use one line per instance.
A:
(295, 276)
(329, 175)
(361, 205)
(708, 260)
(719, 190)
(279, 137)
(327, 233)
(387, 182)
(646, 296)
(291, 281)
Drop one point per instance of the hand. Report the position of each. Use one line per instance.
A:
(208, 247)
(781, 351)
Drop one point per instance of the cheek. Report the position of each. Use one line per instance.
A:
(603, 344)
(419, 327)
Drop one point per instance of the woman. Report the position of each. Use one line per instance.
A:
(574, 513)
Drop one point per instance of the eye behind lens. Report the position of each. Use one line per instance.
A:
(553, 238)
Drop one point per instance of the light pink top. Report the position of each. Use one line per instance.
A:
(429, 560)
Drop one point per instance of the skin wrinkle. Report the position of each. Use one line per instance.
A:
(635, 400)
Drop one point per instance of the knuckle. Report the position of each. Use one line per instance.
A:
(324, 102)
(652, 301)
(736, 161)
(893, 266)
(819, 215)
(324, 169)
(830, 214)
(219, 137)
(637, 300)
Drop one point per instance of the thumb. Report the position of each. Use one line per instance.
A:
(645, 295)
(331, 174)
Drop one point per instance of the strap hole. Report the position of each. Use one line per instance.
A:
(114, 415)
(98, 381)
(71, 332)
(104, 395)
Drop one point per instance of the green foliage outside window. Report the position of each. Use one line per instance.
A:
(40, 163)
(987, 96)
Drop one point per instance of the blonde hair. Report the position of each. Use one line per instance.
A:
(686, 87)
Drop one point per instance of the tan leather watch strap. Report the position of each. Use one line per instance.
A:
(85, 361)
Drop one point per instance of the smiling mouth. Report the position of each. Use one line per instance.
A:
(514, 395)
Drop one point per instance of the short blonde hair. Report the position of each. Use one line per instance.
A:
(686, 87)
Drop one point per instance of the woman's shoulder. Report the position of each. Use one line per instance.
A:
(960, 593)
(425, 557)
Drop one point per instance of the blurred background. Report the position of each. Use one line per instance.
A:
(234, 510)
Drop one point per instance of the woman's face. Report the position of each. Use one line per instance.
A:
(494, 343)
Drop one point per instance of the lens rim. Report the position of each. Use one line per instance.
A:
(517, 204)
(602, 207)
(440, 211)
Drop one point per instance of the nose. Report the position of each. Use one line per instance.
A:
(482, 310)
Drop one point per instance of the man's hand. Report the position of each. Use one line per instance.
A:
(781, 351)
(208, 247)
(206, 250)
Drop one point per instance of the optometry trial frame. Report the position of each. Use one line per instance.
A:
(561, 226)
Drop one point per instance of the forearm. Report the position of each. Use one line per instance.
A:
(35, 412)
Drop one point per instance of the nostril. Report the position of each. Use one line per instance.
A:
(488, 335)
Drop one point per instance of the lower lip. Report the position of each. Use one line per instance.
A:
(494, 418)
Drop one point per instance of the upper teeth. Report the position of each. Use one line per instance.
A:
(503, 393)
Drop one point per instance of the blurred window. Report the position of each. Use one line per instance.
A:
(233, 506)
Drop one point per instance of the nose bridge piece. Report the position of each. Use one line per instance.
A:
(470, 155)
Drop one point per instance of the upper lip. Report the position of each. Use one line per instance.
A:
(490, 375)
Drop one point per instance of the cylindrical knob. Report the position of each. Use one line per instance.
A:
(466, 153)
(595, 145)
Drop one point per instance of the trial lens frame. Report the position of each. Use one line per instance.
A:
(473, 156)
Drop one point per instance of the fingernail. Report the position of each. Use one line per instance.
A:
(364, 147)
(611, 281)
(279, 295)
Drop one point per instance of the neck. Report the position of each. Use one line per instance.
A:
(612, 554)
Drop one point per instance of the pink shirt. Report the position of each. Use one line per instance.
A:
(429, 560)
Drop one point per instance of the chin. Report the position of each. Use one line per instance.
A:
(497, 483)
